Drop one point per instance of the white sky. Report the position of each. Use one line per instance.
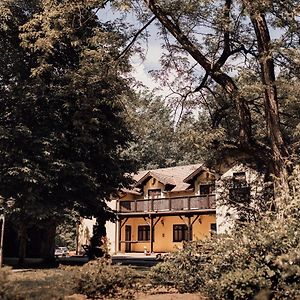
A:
(153, 52)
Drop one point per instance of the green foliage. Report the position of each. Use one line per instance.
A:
(66, 234)
(160, 141)
(100, 279)
(260, 256)
(256, 258)
(62, 132)
(152, 125)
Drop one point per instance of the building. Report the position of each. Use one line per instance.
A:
(242, 185)
(164, 208)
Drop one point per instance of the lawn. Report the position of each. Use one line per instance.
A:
(43, 284)
(46, 284)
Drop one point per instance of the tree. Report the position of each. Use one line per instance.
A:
(162, 142)
(212, 44)
(152, 125)
(61, 121)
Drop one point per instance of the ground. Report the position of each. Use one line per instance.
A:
(42, 284)
(48, 284)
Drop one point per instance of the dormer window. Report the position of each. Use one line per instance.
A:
(155, 193)
(207, 189)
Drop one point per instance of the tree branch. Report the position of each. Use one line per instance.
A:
(219, 77)
(135, 38)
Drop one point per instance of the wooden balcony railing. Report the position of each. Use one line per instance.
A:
(168, 204)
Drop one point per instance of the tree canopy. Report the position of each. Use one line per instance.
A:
(236, 59)
(62, 131)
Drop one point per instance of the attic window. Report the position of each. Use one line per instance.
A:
(153, 181)
(206, 189)
(240, 176)
(240, 189)
(154, 193)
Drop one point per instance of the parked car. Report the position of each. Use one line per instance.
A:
(61, 252)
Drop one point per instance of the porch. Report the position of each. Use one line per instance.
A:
(163, 232)
(167, 205)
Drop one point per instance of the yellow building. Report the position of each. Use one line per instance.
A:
(166, 207)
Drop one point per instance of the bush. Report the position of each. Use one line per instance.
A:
(257, 257)
(100, 279)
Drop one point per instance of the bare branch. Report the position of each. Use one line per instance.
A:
(135, 38)
(221, 78)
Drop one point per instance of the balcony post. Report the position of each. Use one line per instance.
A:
(151, 233)
(135, 205)
(119, 235)
(189, 229)
(152, 205)
(189, 203)
(170, 204)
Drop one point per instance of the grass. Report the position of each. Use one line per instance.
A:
(43, 284)
(55, 284)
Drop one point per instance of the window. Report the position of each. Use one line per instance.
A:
(206, 189)
(239, 190)
(180, 233)
(144, 233)
(213, 227)
(154, 193)
(239, 176)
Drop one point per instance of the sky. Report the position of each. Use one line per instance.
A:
(153, 51)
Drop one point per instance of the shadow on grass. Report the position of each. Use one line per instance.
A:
(43, 284)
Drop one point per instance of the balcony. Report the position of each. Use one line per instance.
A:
(202, 202)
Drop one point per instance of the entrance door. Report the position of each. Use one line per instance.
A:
(127, 238)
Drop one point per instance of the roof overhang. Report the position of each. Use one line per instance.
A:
(196, 173)
(160, 178)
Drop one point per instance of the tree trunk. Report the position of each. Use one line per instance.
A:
(223, 79)
(278, 147)
(279, 151)
(22, 242)
(48, 243)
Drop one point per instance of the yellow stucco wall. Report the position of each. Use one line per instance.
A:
(163, 232)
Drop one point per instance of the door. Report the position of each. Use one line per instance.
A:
(127, 238)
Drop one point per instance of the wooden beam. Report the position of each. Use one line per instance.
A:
(183, 220)
(119, 235)
(156, 221)
(197, 217)
(122, 225)
(148, 223)
(189, 228)
(151, 234)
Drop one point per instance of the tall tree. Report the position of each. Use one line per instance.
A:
(152, 125)
(62, 132)
(211, 43)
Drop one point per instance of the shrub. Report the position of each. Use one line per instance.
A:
(256, 257)
(100, 279)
